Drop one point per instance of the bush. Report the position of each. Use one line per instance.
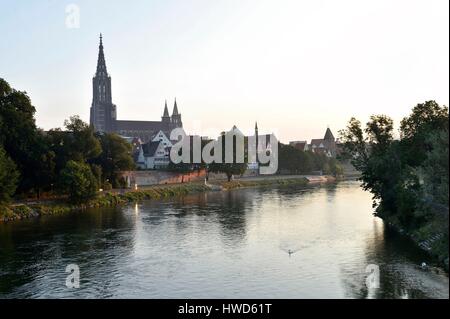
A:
(78, 181)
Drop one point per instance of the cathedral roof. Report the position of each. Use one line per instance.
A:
(141, 126)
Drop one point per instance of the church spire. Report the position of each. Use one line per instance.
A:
(175, 108)
(166, 110)
(101, 64)
(166, 117)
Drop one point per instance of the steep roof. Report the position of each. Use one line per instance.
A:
(328, 135)
(317, 142)
(150, 148)
(300, 145)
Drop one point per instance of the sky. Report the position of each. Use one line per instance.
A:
(295, 66)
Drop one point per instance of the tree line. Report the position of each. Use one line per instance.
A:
(290, 161)
(408, 176)
(74, 162)
(295, 161)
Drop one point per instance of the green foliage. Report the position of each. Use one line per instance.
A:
(434, 169)
(107, 186)
(115, 157)
(229, 168)
(415, 130)
(19, 135)
(77, 143)
(408, 177)
(78, 181)
(295, 161)
(8, 177)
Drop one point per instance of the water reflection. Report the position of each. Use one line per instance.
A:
(254, 243)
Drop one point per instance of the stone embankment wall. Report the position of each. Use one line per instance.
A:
(148, 178)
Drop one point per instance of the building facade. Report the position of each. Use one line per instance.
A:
(103, 115)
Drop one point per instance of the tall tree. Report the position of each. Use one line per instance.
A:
(115, 157)
(19, 135)
(78, 142)
(398, 172)
(235, 167)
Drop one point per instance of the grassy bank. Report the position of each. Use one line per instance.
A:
(15, 212)
(18, 212)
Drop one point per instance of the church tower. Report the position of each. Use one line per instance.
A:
(176, 117)
(330, 142)
(166, 117)
(103, 111)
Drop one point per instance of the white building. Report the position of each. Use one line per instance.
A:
(155, 155)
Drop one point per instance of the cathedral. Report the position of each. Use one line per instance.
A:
(103, 115)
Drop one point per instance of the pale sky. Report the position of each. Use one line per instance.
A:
(293, 66)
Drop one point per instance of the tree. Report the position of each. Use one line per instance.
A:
(376, 156)
(45, 174)
(425, 117)
(435, 169)
(294, 160)
(78, 142)
(84, 145)
(355, 144)
(115, 157)
(78, 181)
(415, 129)
(229, 169)
(400, 173)
(8, 177)
(19, 135)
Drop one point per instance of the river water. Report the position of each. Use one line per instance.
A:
(251, 243)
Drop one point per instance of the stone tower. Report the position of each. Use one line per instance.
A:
(166, 117)
(176, 117)
(330, 142)
(103, 111)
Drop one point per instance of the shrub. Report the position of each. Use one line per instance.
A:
(78, 181)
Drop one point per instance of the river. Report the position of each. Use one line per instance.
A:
(248, 243)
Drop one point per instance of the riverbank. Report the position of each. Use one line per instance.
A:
(37, 209)
(427, 239)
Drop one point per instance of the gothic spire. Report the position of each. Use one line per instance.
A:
(166, 110)
(101, 64)
(175, 108)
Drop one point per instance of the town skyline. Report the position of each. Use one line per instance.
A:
(326, 77)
